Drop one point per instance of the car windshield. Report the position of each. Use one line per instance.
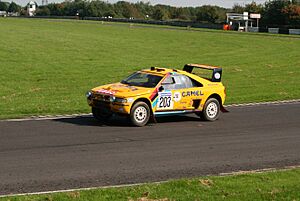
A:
(142, 80)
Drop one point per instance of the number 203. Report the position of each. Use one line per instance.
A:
(164, 102)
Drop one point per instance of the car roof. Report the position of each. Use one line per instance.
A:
(163, 71)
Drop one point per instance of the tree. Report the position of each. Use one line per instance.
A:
(237, 8)
(43, 11)
(296, 2)
(273, 12)
(293, 14)
(3, 6)
(253, 8)
(159, 13)
(13, 8)
(207, 13)
(145, 9)
(94, 9)
(110, 11)
(56, 9)
(127, 10)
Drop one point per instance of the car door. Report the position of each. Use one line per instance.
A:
(187, 93)
(179, 93)
(192, 94)
(165, 100)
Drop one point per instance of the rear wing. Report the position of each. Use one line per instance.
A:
(216, 75)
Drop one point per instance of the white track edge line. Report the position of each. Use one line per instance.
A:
(265, 103)
(80, 189)
(241, 172)
(68, 116)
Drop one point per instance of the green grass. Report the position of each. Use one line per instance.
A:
(46, 66)
(281, 185)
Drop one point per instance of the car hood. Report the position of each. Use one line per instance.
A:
(122, 90)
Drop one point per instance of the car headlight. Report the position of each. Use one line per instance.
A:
(120, 100)
(112, 99)
(89, 95)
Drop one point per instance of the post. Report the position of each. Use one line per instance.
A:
(246, 18)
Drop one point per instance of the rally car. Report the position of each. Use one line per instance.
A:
(154, 92)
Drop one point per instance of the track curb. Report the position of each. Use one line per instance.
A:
(265, 103)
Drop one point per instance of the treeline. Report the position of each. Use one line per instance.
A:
(140, 10)
(274, 12)
(10, 7)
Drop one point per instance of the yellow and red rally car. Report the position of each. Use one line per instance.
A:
(160, 91)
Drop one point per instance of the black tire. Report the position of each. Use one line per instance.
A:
(140, 114)
(211, 110)
(101, 115)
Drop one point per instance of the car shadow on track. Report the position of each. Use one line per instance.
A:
(118, 121)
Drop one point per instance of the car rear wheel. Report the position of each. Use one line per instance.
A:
(101, 115)
(140, 114)
(211, 110)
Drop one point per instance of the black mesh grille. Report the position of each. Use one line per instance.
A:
(101, 97)
(101, 104)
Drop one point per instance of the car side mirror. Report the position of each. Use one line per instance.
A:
(161, 88)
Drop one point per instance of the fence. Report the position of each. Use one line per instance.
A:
(294, 31)
(175, 23)
(157, 22)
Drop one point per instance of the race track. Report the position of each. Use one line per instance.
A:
(79, 152)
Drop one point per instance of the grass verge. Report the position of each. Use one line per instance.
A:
(47, 65)
(278, 185)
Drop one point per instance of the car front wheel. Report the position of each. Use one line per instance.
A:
(211, 110)
(140, 114)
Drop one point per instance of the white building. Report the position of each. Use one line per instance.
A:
(31, 8)
(3, 14)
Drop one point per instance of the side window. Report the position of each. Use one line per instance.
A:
(193, 83)
(189, 82)
(169, 80)
(169, 83)
(183, 81)
(186, 81)
(180, 82)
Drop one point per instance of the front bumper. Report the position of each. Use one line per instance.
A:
(104, 103)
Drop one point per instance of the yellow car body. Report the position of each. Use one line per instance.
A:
(175, 92)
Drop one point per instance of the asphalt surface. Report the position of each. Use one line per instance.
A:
(79, 152)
